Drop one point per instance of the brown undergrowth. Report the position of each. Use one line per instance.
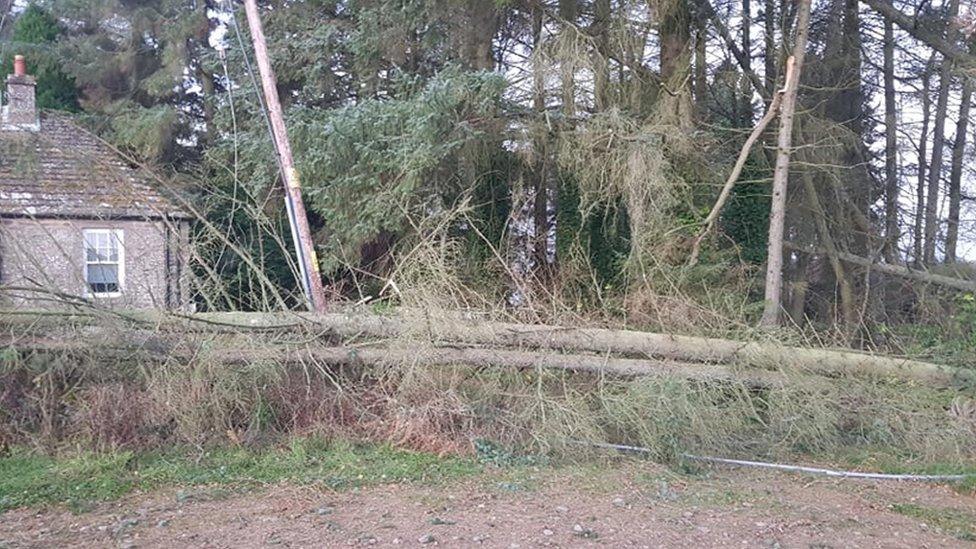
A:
(98, 401)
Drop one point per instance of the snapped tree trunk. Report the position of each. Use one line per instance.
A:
(777, 213)
(740, 163)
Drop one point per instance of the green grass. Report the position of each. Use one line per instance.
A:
(887, 460)
(77, 481)
(953, 522)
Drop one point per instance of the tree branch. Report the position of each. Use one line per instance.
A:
(908, 24)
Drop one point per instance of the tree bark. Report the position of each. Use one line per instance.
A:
(919, 226)
(701, 65)
(747, 51)
(923, 33)
(602, 14)
(777, 216)
(935, 166)
(450, 333)
(676, 65)
(840, 274)
(540, 178)
(960, 284)
(769, 41)
(481, 21)
(569, 12)
(891, 147)
(938, 143)
(675, 36)
(955, 174)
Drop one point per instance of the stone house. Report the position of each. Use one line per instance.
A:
(77, 222)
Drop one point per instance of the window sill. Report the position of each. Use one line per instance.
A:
(103, 295)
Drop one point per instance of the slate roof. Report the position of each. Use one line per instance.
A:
(63, 170)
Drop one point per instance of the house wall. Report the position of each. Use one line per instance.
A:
(49, 254)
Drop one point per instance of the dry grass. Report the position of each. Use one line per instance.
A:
(53, 402)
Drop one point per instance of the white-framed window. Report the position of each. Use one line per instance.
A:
(104, 262)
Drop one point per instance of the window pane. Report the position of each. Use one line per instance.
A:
(101, 246)
(91, 247)
(103, 278)
(112, 247)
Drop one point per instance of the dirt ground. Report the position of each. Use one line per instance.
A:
(632, 505)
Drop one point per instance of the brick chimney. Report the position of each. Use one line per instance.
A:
(20, 112)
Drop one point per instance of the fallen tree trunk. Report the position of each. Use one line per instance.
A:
(636, 344)
(383, 355)
(520, 360)
(603, 342)
(897, 270)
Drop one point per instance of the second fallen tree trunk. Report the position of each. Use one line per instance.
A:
(425, 331)
(399, 355)
(626, 343)
(897, 270)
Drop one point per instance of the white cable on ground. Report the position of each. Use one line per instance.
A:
(792, 468)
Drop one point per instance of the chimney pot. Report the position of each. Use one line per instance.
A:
(20, 66)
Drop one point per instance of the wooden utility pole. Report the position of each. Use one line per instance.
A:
(777, 212)
(301, 234)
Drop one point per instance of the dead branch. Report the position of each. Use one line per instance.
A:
(734, 175)
(897, 270)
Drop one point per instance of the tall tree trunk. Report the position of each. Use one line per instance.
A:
(891, 146)
(935, 166)
(769, 41)
(701, 64)
(823, 230)
(539, 172)
(747, 50)
(568, 11)
(747, 33)
(918, 233)
(777, 214)
(675, 36)
(481, 22)
(955, 175)
(601, 30)
(938, 143)
(676, 65)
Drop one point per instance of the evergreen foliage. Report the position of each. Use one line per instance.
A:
(34, 35)
(376, 163)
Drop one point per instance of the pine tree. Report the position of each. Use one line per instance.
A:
(35, 34)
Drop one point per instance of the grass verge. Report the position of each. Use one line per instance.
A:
(77, 481)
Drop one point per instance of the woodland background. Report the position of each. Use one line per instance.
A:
(554, 159)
